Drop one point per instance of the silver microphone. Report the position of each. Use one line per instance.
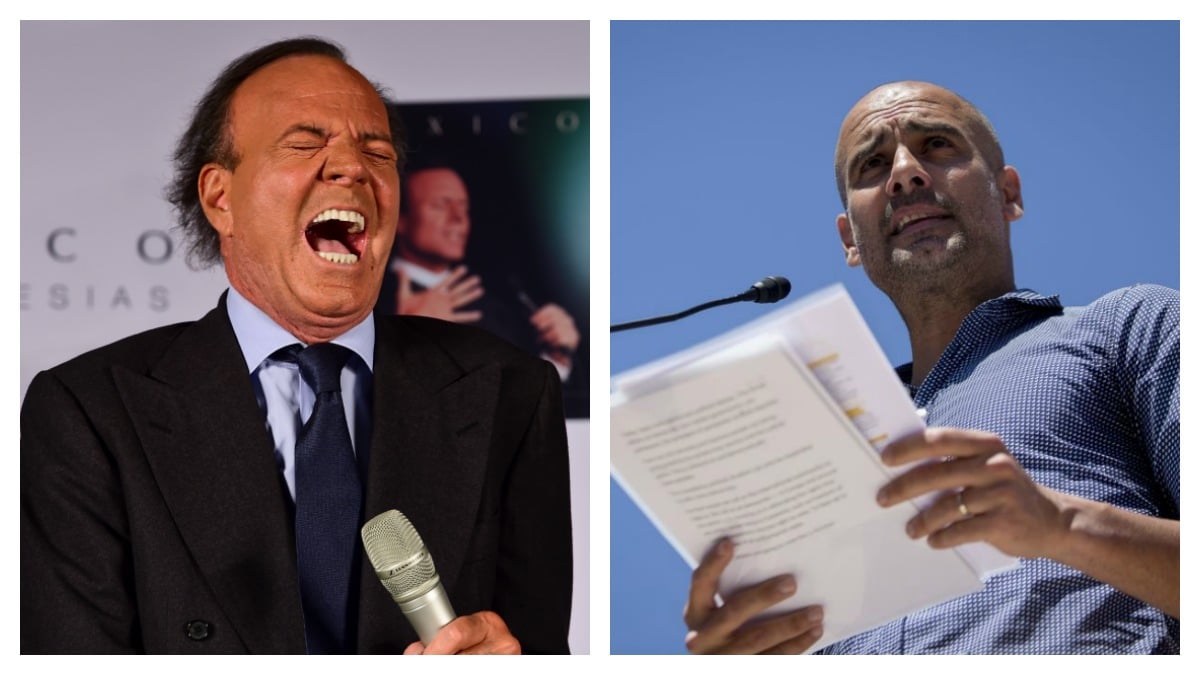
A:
(405, 567)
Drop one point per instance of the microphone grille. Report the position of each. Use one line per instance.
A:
(399, 556)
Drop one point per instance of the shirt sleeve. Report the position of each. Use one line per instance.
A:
(1146, 334)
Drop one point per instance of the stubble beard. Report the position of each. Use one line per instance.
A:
(945, 264)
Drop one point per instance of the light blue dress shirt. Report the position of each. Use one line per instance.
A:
(286, 400)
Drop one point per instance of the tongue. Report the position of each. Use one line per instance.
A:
(328, 245)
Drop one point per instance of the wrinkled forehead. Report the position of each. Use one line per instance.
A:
(296, 84)
(902, 107)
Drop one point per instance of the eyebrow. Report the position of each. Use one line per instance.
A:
(303, 128)
(911, 125)
(318, 131)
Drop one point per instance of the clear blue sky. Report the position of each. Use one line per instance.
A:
(722, 152)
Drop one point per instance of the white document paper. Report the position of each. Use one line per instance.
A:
(769, 435)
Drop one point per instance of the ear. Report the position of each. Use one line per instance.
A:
(214, 185)
(1010, 186)
(847, 235)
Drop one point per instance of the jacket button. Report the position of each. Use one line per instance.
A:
(198, 630)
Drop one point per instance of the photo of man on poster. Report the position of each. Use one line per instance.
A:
(493, 226)
(432, 280)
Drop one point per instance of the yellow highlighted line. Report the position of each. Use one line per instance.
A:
(824, 360)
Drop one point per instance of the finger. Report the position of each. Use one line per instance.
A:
(941, 442)
(466, 285)
(495, 643)
(486, 633)
(721, 625)
(542, 318)
(776, 635)
(558, 326)
(461, 633)
(702, 594)
(945, 510)
(933, 476)
(798, 645)
(963, 531)
(466, 298)
(415, 649)
(570, 338)
(561, 339)
(547, 310)
(451, 279)
(549, 335)
(976, 472)
(466, 317)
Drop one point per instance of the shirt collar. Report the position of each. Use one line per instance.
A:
(259, 336)
(418, 274)
(1025, 296)
(1022, 298)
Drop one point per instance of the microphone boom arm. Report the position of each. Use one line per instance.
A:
(770, 289)
(616, 328)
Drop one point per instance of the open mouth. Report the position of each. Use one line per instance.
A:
(337, 235)
(914, 221)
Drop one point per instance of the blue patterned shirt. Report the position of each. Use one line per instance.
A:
(1087, 399)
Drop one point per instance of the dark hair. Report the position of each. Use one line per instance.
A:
(207, 140)
(426, 161)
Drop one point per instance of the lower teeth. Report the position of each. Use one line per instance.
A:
(339, 258)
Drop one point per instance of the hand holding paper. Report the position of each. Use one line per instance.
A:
(725, 629)
(770, 437)
(985, 494)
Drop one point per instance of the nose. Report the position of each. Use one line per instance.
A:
(908, 174)
(344, 165)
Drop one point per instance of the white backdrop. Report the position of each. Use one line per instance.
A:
(102, 104)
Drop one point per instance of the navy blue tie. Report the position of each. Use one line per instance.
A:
(328, 507)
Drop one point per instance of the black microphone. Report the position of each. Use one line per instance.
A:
(405, 568)
(770, 289)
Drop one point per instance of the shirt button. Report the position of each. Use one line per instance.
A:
(198, 630)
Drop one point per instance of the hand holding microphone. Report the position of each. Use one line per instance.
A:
(406, 569)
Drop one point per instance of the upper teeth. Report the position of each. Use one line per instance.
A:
(356, 220)
(910, 218)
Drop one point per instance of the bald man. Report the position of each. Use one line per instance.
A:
(1059, 427)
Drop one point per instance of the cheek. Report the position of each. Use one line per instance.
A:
(381, 245)
(387, 194)
(266, 205)
(866, 206)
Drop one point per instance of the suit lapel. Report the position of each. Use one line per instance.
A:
(212, 456)
(429, 449)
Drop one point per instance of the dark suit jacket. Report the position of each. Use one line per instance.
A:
(150, 498)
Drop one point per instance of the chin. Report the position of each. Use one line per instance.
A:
(930, 254)
(338, 302)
